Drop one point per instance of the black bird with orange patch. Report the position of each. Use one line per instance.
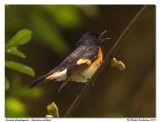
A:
(81, 64)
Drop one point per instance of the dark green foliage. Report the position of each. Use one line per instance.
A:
(14, 107)
(11, 47)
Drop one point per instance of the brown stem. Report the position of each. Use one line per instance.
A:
(105, 62)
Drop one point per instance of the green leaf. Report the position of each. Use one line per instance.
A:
(53, 110)
(51, 36)
(21, 37)
(19, 67)
(15, 51)
(68, 16)
(20, 90)
(6, 84)
(34, 93)
(14, 108)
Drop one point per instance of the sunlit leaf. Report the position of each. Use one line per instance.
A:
(6, 84)
(34, 93)
(21, 37)
(118, 64)
(30, 93)
(15, 51)
(20, 90)
(49, 116)
(19, 67)
(14, 108)
(53, 109)
(89, 10)
(66, 16)
(51, 36)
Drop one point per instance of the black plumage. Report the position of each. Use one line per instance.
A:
(87, 48)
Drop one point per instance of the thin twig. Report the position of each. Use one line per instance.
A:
(105, 63)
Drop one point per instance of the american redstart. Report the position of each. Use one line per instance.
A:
(81, 64)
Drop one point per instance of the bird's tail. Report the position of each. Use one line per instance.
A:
(39, 80)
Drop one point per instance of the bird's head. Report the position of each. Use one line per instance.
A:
(92, 38)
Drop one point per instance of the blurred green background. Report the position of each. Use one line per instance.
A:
(55, 31)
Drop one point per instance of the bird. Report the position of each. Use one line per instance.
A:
(81, 64)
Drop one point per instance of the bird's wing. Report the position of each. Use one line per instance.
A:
(82, 60)
(79, 60)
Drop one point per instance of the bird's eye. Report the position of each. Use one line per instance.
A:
(101, 41)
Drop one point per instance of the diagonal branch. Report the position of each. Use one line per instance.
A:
(105, 63)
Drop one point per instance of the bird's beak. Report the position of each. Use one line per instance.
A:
(102, 35)
(106, 39)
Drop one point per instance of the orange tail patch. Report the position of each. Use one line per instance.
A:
(52, 75)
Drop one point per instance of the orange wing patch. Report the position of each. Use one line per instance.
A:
(82, 61)
(52, 75)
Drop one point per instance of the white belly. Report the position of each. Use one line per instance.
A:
(87, 73)
(60, 76)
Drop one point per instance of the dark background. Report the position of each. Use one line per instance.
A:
(55, 31)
